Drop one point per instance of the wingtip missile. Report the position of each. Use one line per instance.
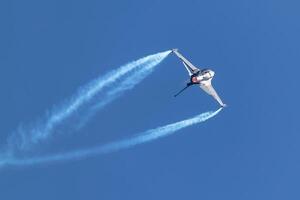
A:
(174, 50)
(224, 105)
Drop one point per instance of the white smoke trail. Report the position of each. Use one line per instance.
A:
(24, 139)
(127, 84)
(144, 137)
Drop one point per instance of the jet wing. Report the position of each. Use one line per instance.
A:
(188, 65)
(208, 88)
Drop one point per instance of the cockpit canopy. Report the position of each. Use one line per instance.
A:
(205, 70)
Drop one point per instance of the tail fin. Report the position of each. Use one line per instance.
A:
(187, 85)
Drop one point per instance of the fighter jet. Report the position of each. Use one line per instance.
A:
(199, 77)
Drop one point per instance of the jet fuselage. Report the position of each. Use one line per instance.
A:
(204, 75)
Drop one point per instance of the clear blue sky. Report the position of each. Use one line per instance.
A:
(249, 151)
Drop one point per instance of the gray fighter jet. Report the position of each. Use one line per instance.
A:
(199, 77)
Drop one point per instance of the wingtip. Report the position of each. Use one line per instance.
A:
(224, 105)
